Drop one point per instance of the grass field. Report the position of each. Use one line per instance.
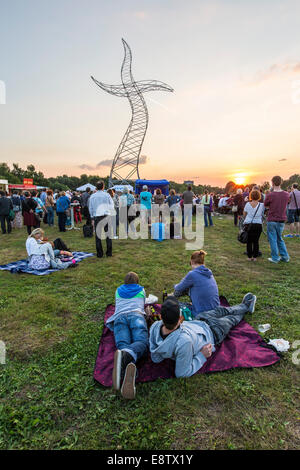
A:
(51, 326)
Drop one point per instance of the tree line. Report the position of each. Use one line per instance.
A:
(16, 175)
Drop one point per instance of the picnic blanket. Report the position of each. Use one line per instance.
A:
(22, 265)
(243, 347)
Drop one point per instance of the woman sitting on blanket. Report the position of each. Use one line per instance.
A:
(41, 254)
(200, 285)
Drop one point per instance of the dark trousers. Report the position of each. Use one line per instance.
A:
(222, 319)
(236, 218)
(62, 218)
(4, 219)
(98, 240)
(86, 214)
(254, 233)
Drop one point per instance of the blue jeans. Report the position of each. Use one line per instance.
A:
(207, 213)
(277, 245)
(222, 319)
(50, 216)
(131, 334)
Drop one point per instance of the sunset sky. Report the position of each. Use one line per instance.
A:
(234, 66)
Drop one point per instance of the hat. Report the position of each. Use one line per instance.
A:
(145, 186)
(170, 311)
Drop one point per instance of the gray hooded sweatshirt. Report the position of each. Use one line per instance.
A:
(182, 345)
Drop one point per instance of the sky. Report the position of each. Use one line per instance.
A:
(234, 66)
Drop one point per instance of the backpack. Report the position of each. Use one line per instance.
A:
(88, 231)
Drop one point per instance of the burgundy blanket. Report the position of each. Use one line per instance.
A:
(243, 347)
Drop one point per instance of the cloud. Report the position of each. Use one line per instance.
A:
(276, 70)
(283, 160)
(86, 167)
(141, 15)
(109, 161)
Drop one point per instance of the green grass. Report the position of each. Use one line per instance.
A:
(52, 325)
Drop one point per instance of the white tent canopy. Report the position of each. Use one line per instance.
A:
(120, 187)
(88, 185)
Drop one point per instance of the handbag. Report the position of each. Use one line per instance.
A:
(297, 208)
(234, 208)
(11, 215)
(243, 235)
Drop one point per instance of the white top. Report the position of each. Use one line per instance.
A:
(100, 204)
(251, 211)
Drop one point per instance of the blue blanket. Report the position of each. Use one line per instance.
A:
(22, 265)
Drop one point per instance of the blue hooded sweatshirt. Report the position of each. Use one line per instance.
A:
(202, 289)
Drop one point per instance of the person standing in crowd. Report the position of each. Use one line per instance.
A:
(207, 203)
(100, 207)
(40, 208)
(43, 196)
(187, 198)
(85, 205)
(62, 205)
(294, 212)
(49, 204)
(145, 202)
(17, 208)
(159, 199)
(277, 201)
(172, 198)
(253, 213)
(5, 208)
(28, 211)
(238, 206)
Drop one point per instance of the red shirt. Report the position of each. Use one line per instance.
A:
(277, 202)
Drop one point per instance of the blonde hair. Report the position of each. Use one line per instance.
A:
(37, 231)
(198, 257)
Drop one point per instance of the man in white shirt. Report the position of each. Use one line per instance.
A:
(101, 206)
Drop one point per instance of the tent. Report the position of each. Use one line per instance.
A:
(152, 185)
(88, 185)
(120, 187)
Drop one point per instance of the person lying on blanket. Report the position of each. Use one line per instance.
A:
(131, 333)
(41, 254)
(191, 343)
(201, 286)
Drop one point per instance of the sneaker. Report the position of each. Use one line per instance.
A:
(289, 236)
(285, 260)
(250, 300)
(272, 261)
(297, 235)
(121, 361)
(128, 385)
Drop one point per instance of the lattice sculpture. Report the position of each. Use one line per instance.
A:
(129, 150)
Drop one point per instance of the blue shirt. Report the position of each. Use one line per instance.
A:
(146, 199)
(62, 204)
(202, 287)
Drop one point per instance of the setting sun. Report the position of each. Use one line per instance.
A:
(240, 178)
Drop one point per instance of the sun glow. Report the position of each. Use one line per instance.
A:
(240, 178)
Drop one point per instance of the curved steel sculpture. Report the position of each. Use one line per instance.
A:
(129, 150)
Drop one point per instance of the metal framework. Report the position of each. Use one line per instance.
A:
(129, 150)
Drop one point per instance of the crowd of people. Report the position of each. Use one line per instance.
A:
(188, 343)
(250, 208)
